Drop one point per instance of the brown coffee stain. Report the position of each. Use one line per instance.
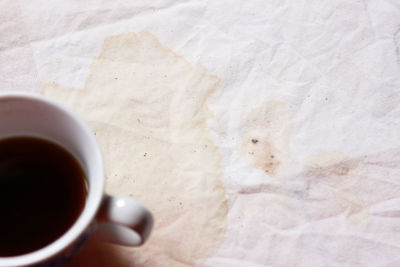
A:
(333, 179)
(266, 134)
(147, 107)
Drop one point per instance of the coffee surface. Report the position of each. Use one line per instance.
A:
(42, 193)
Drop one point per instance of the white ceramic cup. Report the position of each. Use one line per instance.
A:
(119, 220)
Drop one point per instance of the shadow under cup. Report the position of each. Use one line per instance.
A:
(33, 116)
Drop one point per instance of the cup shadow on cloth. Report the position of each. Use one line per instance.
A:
(100, 255)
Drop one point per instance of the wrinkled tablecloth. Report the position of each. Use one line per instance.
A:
(260, 133)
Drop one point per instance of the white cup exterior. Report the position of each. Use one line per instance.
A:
(32, 115)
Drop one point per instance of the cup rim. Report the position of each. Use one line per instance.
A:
(90, 210)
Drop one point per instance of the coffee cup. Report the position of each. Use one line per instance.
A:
(116, 219)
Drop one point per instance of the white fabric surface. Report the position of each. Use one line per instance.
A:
(316, 83)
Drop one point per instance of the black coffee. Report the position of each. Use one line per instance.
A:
(42, 193)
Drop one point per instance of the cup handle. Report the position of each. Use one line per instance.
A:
(123, 221)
